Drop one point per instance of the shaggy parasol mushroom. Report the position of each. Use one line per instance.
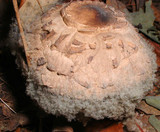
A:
(85, 57)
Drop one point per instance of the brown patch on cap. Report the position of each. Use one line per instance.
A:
(91, 14)
(94, 15)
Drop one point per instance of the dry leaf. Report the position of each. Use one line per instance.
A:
(97, 126)
(117, 127)
(13, 122)
(18, 130)
(148, 109)
(154, 122)
(6, 111)
(22, 130)
(156, 11)
(63, 129)
(145, 19)
(153, 101)
(9, 124)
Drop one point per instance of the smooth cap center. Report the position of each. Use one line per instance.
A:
(87, 14)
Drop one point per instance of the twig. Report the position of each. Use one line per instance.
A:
(7, 105)
(21, 29)
(141, 130)
(3, 80)
(40, 5)
(21, 3)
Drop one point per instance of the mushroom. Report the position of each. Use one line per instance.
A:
(85, 57)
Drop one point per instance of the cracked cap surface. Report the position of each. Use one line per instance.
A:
(99, 73)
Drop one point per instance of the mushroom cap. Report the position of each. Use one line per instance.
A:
(85, 57)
